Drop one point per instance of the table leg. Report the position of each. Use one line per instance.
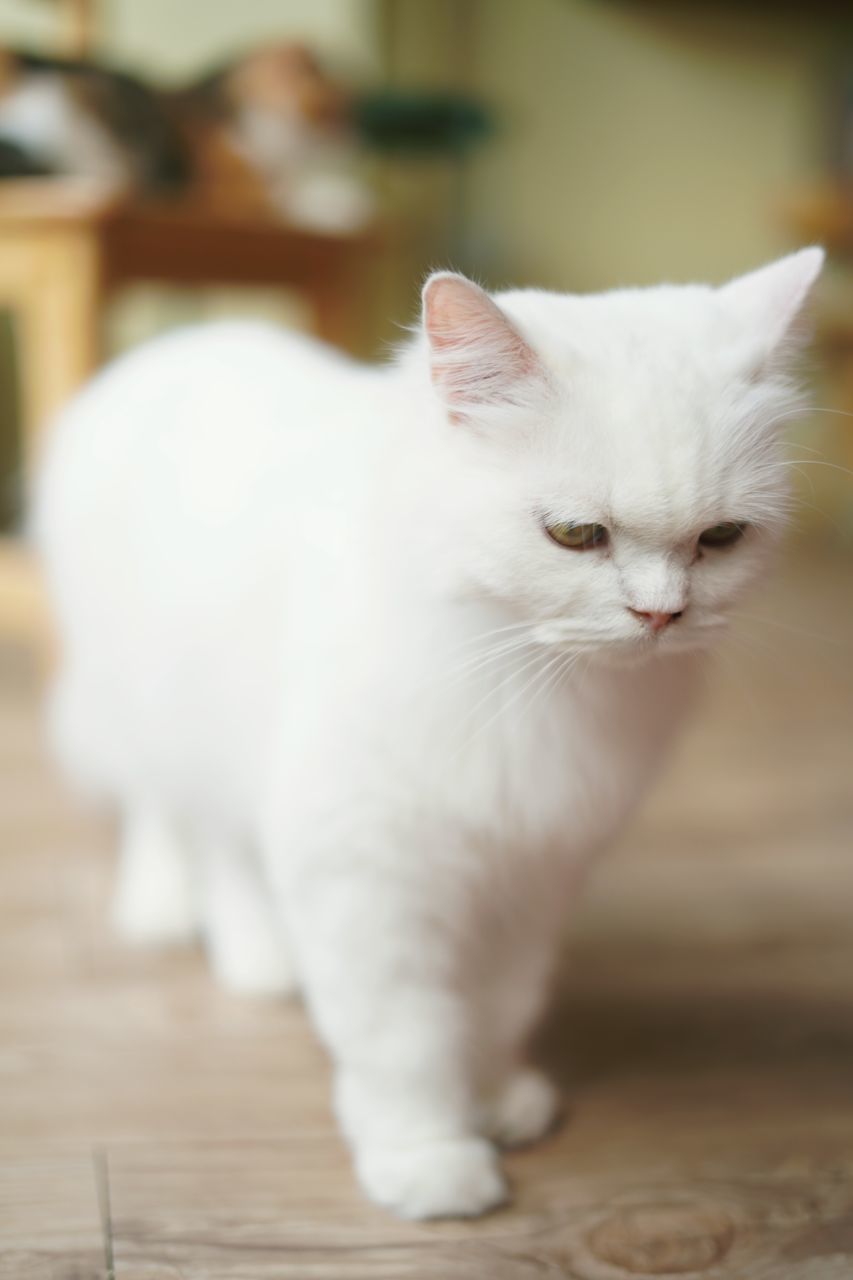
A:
(50, 281)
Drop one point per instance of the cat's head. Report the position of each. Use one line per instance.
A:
(617, 477)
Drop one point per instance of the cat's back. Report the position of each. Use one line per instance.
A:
(233, 380)
(196, 425)
(175, 517)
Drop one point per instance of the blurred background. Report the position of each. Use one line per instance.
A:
(166, 161)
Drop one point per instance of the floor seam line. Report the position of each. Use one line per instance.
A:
(102, 1186)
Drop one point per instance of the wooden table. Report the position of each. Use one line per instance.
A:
(66, 246)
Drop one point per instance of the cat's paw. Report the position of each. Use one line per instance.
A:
(253, 965)
(526, 1108)
(155, 901)
(457, 1178)
(155, 923)
(155, 912)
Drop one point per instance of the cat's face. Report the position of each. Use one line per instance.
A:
(618, 478)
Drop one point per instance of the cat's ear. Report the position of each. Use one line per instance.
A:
(477, 357)
(764, 304)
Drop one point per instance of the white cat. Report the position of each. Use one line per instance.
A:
(371, 661)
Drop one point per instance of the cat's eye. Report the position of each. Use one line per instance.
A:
(577, 537)
(722, 535)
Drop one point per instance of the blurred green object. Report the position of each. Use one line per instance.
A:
(421, 122)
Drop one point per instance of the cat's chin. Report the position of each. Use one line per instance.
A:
(623, 656)
(637, 653)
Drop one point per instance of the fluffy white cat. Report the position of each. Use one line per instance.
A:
(372, 660)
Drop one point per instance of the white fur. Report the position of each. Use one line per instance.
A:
(312, 624)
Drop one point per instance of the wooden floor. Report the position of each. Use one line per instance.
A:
(152, 1127)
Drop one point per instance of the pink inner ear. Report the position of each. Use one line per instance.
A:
(478, 357)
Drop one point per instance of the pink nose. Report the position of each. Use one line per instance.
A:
(655, 621)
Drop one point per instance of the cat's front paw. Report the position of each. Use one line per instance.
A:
(155, 901)
(256, 966)
(156, 915)
(457, 1178)
(526, 1108)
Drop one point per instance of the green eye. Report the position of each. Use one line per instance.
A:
(577, 537)
(722, 535)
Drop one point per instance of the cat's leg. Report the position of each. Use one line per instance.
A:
(244, 935)
(156, 899)
(520, 1104)
(154, 902)
(523, 1108)
(381, 973)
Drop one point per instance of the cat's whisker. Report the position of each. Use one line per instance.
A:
(816, 408)
(503, 639)
(545, 678)
(816, 462)
(803, 411)
(794, 467)
(540, 679)
(552, 681)
(475, 665)
(494, 690)
(503, 706)
(570, 661)
(490, 634)
(796, 444)
(491, 644)
(497, 650)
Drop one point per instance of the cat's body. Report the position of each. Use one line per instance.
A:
(365, 720)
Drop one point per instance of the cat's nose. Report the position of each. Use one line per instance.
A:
(655, 621)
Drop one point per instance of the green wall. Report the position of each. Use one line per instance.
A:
(641, 143)
(173, 38)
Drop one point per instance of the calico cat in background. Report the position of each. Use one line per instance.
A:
(270, 131)
(289, 125)
(77, 118)
(371, 661)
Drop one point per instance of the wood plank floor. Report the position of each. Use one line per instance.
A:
(152, 1127)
